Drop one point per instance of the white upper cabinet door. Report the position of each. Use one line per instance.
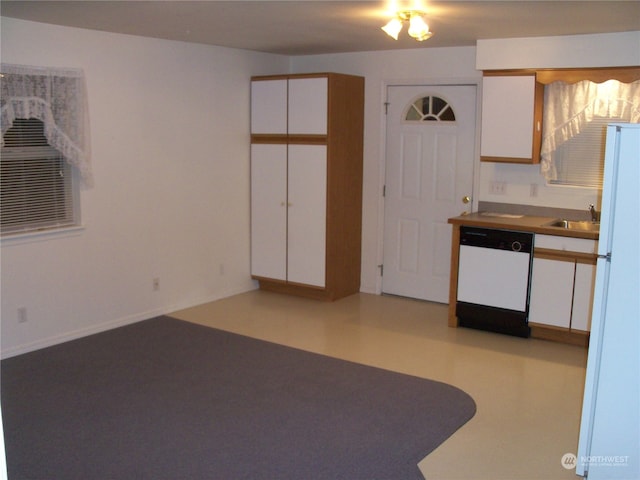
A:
(507, 116)
(269, 106)
(307, 214)
(269, 211)
(308, 105)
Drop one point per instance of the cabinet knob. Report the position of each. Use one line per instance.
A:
(466, 199)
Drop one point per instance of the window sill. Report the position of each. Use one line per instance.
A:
(42, 235)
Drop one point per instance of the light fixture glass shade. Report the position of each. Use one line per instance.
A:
(393, 28)
(418, 29)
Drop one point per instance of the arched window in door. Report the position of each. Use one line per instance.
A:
(430, 109)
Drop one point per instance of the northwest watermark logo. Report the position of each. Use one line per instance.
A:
(569, 460)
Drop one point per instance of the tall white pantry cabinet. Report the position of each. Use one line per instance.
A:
(306, 183)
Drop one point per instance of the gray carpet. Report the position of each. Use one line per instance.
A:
(167, 399)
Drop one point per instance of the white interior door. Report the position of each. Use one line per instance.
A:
(429, 175)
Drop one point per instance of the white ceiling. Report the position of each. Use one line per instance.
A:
(307, 27)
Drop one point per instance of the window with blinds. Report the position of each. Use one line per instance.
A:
(36, 184)
(580, 160)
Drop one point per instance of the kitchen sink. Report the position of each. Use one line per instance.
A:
(574, 225)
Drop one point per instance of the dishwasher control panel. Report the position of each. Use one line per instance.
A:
(496, 239)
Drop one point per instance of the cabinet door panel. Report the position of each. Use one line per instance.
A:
(583, 297)
(307, 214)
(308, 105)
(551, 292)
(269, 106)
(507, 116)
(269, 211)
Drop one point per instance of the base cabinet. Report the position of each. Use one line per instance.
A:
(562, 283)
(551, 292)
(306, 183)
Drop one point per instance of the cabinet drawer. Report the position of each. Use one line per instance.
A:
(554, 242)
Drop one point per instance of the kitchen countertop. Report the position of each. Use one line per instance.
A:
(523, 223)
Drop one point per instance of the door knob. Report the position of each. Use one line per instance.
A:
(466, 199)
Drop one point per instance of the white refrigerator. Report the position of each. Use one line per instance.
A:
(609, 442)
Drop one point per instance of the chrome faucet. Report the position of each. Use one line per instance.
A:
(595, 216)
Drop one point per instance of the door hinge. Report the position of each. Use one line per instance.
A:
(384, 190)
(381, 267)
(386, 107)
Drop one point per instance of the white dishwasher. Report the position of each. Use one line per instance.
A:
(494, 278)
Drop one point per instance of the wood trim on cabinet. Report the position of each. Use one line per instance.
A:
(288, 288)
(559, 334)
(573, 75)
(538, 107)
(268, 138)
(565, 256)
(288, 76)
(453, 280)
(345, 183)
(510, 72)
(523, 161)
(596, 75)
(307, 139)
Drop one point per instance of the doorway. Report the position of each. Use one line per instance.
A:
(430, 152)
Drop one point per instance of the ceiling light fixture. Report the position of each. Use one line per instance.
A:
(418, 29)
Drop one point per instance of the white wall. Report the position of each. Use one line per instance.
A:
(170, 143)
(414, 66)
(567, 51)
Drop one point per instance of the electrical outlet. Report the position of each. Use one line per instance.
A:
(22, 314)
(533, 191)
(156, 284)
(498, 188)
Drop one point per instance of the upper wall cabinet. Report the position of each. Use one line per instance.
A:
(308, 106)
(511, 117)
(294, 106)
(269, 107)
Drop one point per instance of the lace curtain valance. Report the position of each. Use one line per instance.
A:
(568, 108)
(58, 98)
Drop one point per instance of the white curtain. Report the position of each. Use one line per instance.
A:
(568, 108)
(58, 98)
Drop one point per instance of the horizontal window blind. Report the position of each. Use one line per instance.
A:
(35, 182)
(580, 160)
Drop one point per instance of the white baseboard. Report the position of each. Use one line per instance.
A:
(109, 325)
